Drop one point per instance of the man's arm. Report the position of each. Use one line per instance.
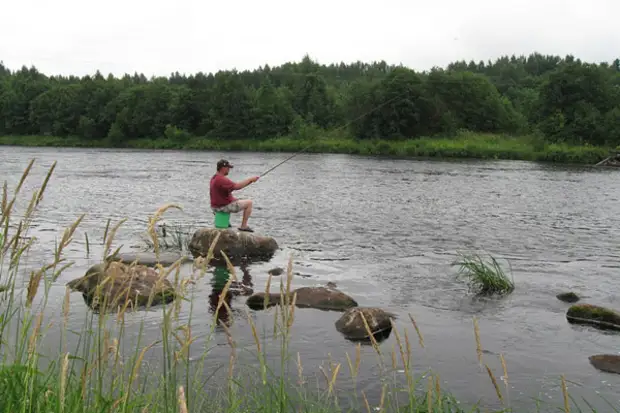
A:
(244, 183)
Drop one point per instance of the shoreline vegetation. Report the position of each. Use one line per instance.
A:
(104, 373)
(464, 145)
(536, 107)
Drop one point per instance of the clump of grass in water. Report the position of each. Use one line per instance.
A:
(104, 373)
(167, 237)
(484, 278)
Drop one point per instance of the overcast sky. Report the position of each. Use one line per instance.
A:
(159, 37)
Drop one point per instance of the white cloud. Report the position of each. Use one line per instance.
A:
(157, 37)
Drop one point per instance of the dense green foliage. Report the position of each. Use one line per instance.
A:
(558, 100)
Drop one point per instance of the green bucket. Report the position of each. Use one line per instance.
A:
(222, 219)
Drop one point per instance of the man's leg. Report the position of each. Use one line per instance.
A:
(246, 206)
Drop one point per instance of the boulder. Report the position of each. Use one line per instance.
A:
(351, 324)
(237, 245)
(150, 259)
(115, 285)
(593, 315)
(322, 298)
(569, 297)
(609, 363)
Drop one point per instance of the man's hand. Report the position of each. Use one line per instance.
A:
(245, 182)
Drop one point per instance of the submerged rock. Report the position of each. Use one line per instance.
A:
(113, 284)
(569, 297)
(351, 324)
(322, 298)
(594, 315)
(150, 259)
(609, 363)
(237, 245)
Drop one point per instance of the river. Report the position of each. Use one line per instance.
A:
(386, 231)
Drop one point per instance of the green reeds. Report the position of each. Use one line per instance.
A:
(484, 278)
(167, 237)
(104, 367)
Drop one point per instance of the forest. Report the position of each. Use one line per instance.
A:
(555, 99)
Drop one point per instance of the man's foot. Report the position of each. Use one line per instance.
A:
(247, 229)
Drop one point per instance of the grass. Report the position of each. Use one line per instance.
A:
(463, 145)
(168, 237)
(96, 369)
(484, 278)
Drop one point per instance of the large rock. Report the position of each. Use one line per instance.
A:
(351, 324)
(322, 298)
(601, 317)
(114, 285)
(237, 245)
(609, 363)
(150, 259)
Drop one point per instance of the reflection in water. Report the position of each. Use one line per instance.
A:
(221, 276)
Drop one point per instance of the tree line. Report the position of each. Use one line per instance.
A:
(557, 99)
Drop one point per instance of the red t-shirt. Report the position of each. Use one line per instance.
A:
(220, 190)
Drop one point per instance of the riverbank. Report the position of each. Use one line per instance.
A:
(464, 145)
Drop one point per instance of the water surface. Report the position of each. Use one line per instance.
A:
(386, 231)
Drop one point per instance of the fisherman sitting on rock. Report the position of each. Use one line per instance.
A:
(222, 200)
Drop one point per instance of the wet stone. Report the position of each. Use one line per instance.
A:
(351, 323)
(322, 298)
(568, 297)
(276, 271)
(609, 363)
(150, 259)
(594, 315)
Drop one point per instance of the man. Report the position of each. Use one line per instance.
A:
(221, 198)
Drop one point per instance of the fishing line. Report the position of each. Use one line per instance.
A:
(340, 127)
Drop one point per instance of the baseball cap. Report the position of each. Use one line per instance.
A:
(223, 163)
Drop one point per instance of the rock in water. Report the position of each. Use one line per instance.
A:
(568, 297)
(237, 245)
(351, 323)
(275, 271)
(324, 298)
(149, 259)
(321, 298)
(121, 286)
(609, 363)
(593, 315)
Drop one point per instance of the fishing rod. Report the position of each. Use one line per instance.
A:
(341, 127)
